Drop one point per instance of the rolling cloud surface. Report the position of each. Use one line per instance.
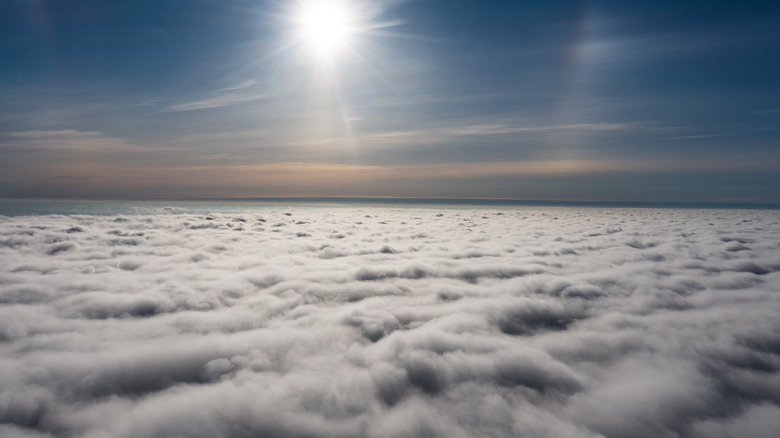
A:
(391, 322)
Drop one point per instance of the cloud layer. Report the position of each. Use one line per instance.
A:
(391, 322)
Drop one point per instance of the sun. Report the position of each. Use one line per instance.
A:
(326, 26)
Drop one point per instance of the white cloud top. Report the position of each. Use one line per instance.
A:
(391, 322)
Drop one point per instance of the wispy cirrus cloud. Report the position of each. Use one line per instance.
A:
(237, 94)
(62, 133)
(70, 140)
(695, 137)
(502, 129)
(510, 129)
(575, 166)
(215, 102)
(445, 134)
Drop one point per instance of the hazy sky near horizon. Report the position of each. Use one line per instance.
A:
(591, 100)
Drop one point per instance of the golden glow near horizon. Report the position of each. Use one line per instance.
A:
(326, 26)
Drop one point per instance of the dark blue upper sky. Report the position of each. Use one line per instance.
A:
(586, 100)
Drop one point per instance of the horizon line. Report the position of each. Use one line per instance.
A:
(736, 204)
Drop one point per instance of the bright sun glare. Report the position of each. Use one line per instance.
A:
(326, 26)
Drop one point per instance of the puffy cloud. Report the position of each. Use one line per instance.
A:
(390, 322)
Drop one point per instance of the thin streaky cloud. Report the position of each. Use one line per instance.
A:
(444, 134)
(241, 86)
(221, 98)
(428, 99)
(381, 25)
(403, 36)
(72, 140)
(575, 166)
(694, 137)
(61, 133)
(215, 102)
(508, 129)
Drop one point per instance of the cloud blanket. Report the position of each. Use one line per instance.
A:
(391, 322)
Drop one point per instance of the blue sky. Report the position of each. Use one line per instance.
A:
(569, 100)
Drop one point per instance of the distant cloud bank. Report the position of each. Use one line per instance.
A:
(391, 322)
